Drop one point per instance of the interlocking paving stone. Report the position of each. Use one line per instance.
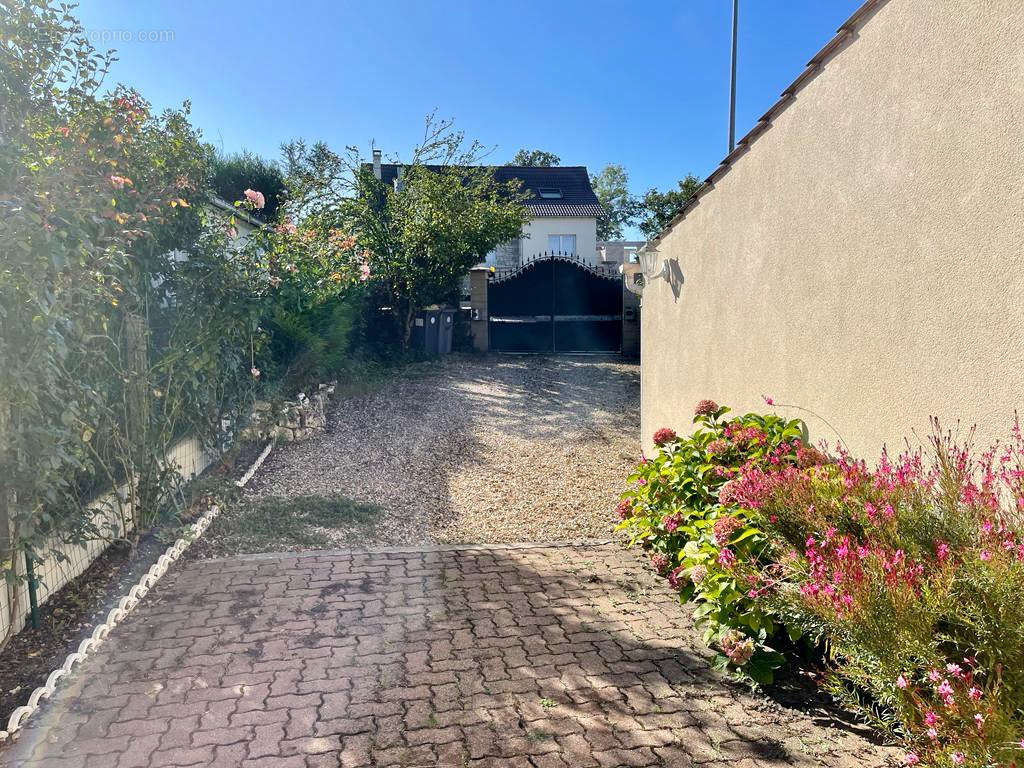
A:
(541, 656)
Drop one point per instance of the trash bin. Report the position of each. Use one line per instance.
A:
(446, 331)
(425, 330)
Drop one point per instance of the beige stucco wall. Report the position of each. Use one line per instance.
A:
(536, 231)
(863, 258)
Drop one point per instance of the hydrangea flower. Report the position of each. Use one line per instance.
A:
(737, 647)
(723, 530)
(705, 408)
(664, 435)
(623, 510)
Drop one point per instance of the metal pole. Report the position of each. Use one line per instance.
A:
(732, 78)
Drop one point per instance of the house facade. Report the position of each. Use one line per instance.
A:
(563, 208)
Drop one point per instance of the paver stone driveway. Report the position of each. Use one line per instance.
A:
(537, 656)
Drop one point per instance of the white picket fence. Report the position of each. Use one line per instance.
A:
(52, 572)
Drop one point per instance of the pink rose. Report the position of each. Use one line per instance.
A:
(256, 198)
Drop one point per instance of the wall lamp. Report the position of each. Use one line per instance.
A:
(647, 266)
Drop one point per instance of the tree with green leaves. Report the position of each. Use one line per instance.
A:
(415, 239)
(535, 158)
(659, 208)
(611, 186)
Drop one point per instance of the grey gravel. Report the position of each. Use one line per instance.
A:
(474, 449)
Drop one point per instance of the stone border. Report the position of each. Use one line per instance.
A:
(424, 548)
(124, 607)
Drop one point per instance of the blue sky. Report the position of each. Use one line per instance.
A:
(644, 84)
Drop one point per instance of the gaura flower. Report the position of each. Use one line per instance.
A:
(901, 682)
(911, 758)
(767, 400)
(930, 718)
(957, 758)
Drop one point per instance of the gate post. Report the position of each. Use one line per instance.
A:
(478, 280)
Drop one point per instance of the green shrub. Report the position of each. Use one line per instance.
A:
(707, 550)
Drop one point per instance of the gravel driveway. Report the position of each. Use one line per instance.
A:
(475, 449)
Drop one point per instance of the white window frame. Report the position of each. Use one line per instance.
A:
(562, 243)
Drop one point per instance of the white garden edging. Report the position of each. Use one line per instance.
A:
(122, 609)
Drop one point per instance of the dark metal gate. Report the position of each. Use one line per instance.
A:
(555, 303)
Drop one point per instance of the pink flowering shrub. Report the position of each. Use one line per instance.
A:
(710, 551)
(911, 574)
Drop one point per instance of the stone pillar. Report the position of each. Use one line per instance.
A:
(630, 321)
(478, 278)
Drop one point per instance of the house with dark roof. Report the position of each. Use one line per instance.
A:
(563, 205)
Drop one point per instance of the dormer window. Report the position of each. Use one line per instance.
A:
(550, 193)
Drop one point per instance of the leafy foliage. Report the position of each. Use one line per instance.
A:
(661, 207)
(535, 158)
(415, 240)
(621, 209)
(232, 174)
(908, 575)
(126, 319)
(706, 548)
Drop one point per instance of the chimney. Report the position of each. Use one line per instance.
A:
(399, 179)
(376, 163)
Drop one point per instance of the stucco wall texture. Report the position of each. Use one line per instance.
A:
(863, 258)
